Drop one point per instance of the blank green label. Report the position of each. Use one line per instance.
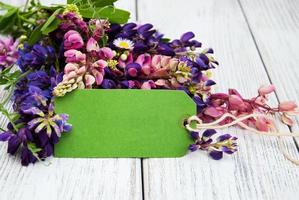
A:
(125, 123)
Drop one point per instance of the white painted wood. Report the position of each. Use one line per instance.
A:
(258, 170)
(275, 25)
(69, 178)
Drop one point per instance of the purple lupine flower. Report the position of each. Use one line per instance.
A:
(216, 155)
(133, 70)
(108, 84)
(27, 156)
(193, 147)
(36, 56)
(223, 144)
(200, 104)
(8, 51)
(184, 42)
(49, 121)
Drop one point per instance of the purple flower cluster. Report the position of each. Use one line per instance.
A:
(38, 127)
(215, 147)
(36, 56)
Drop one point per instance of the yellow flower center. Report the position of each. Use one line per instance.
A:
(123, 44)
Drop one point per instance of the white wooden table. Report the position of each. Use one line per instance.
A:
(256, 42)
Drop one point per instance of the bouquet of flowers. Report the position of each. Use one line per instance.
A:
(48, 52)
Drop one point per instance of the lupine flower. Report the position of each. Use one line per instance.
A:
(92, 45)
(8, 51)
(99, 27)
(73, 40)
(264, 90)
(75, 56)
(287, 106)
(36, 56)
(72, 79)
(184, 42)
(72, 21)
(215, 147)
(49, 121)
(21, 140)
(133, 70)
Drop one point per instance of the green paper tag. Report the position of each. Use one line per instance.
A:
(125, 123)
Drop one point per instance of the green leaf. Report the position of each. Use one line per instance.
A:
(114, 15)
(52, 23)
(8, 20)
(5, 6)
(95, 3)
(166, 40)
(33, 148)
(35, 35)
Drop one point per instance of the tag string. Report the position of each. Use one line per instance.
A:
(238, 121)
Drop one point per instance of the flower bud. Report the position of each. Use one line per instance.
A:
(264, 90)
(287, 106)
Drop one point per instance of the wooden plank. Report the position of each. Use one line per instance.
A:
(275, 26)
(258, 170)
(70, 178)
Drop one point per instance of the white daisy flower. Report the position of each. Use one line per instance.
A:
(123, 43)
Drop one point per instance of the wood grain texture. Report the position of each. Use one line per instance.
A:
(275, 26)
(69, 178)
(258, 170)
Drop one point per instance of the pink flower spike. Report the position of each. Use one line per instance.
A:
(73, 40)
(70, 67)
(81, 70)
(156, 61)
(264, 90)
(144, 61)
(287, 106)
(165, 61)
(75, 56)
(89, 80)
(92, 45)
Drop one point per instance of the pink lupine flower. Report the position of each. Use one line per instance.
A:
(89, 81)
(92, 45)
(156, 61)
(75, 56)
(100, 26)
(98, 71)
(263, 124)
(70, 67)
(144, 60)
(8, 51)
(287, 106)
(106, 53)
(73, 40)
(148, 85)
(214, 112)
(235, 102)
(264, 90)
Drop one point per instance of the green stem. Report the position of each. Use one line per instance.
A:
(26, 5)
